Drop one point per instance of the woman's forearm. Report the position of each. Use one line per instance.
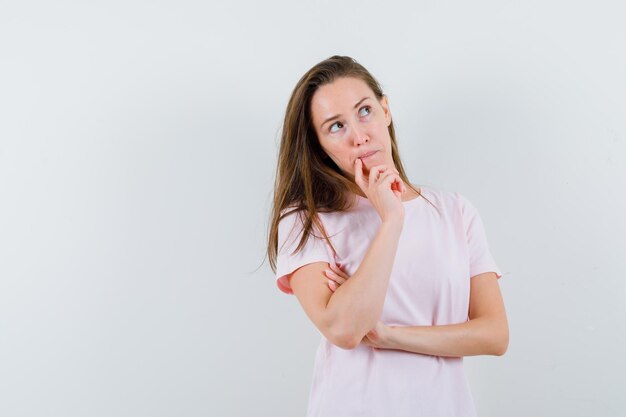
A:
(480, 336)
(358, 303)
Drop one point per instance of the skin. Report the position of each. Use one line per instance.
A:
(361, 126)
(346, 315)
(486, 333)
(355, 130)
(350, 122)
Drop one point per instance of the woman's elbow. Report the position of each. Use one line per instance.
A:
(501, 342)
(500, 349)
(342, 338)
(347, 343)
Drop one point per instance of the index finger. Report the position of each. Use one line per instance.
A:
(358, 174)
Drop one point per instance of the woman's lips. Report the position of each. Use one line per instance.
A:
(367, 155)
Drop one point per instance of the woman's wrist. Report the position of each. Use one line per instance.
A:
(389, 338)
(393, 224)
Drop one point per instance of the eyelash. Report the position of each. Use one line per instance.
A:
(369, 110)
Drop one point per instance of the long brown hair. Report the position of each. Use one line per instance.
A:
(306, 180)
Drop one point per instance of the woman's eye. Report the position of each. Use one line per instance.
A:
(340, 125)
(333, 125)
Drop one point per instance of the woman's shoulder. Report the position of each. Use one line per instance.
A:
(449, 201)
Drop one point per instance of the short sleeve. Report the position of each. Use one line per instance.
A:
(480, 258)
(316, 249)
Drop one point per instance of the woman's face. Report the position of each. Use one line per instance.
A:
(351, 123)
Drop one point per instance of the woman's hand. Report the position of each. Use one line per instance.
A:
(378, 337)
(383, 188)
(336, 276)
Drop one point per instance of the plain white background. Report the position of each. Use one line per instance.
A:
(138, 144)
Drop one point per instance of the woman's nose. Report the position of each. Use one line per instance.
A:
(359, 136)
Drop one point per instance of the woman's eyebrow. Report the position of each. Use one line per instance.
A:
(337, 115)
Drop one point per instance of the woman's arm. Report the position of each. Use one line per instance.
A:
(486, 333)
(344, 316)
(347, 314)
(359, 302)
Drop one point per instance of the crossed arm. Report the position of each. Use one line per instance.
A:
(486, 332)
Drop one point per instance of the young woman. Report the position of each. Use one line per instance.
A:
(398, 279)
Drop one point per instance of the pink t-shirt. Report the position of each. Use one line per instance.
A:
(429, 285)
